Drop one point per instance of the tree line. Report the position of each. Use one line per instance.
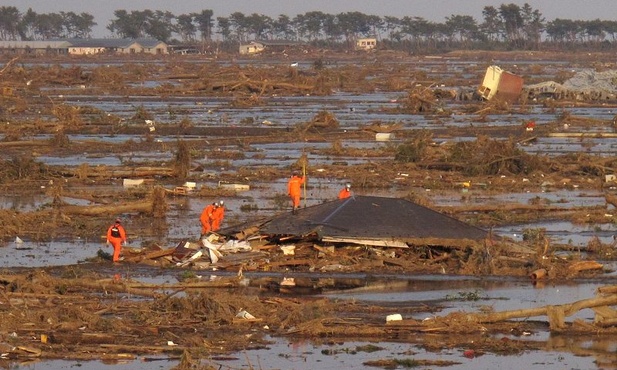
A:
(509, 25)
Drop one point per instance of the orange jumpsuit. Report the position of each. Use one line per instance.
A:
(206, 218)
(344, 193)
(293, 189)
(116, 235)
(217, 217)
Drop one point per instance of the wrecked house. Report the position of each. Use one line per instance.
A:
(358, 223)
(374, 221)
(500, 84)
(585, 85)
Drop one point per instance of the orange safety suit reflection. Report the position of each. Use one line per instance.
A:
(206, 218)
(293, 190)
(116, 235)
(344, 193)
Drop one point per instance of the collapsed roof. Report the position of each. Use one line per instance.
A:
(376, 221)
(587, 84)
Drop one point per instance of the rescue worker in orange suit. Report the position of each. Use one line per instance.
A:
(217, 216)
(293, 190)
(206, 218)
(345, 192)
(116, 235)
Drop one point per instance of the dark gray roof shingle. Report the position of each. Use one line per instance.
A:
(372, 217)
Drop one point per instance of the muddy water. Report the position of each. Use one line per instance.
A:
(393, 292)
(305, 355)
(445, 293)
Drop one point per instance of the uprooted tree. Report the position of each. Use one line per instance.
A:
(486, 156)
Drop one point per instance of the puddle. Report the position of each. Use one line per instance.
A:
(111, 139)
(472, 294)
(562, 232)
(139, 364)
(557, 198)
(562, 145)
(55, 253)
(304, 355)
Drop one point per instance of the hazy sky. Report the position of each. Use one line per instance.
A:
(432, 10)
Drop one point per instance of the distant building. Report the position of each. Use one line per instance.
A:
(152, 46)
(34, 47)
(366, 44)
(85, 46)
(253, 47)
(274, 46)
(117, 46)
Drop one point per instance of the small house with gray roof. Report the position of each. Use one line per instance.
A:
(374, 221)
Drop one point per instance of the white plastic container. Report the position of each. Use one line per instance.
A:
(394, 317)
(384, 136)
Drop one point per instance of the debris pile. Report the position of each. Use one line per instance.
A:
(585, 85)
(365, 233)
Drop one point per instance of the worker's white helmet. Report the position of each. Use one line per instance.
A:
(348, 185)
(221, 203)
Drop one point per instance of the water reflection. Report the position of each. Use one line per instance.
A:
(339, 354)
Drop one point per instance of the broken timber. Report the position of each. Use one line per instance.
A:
(556, 313)
(144, 206)
(373, 242)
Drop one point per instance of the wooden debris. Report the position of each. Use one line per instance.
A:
(158, 254)
(240, 320)
(242, 235)
(292, 262)
(144, 206)
(379, 127)
(584, 266)
(179, 190)
(538, 274)
(556, 314)
(28, 351)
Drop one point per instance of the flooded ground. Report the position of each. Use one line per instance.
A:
(395, 294)
(255, 139)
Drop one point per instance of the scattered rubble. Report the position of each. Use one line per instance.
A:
(585, 85)
(75, 313)
(364, 233)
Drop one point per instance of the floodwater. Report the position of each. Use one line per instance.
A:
(307, 356)
(351, 110)
(395, 292)
(304, 355)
